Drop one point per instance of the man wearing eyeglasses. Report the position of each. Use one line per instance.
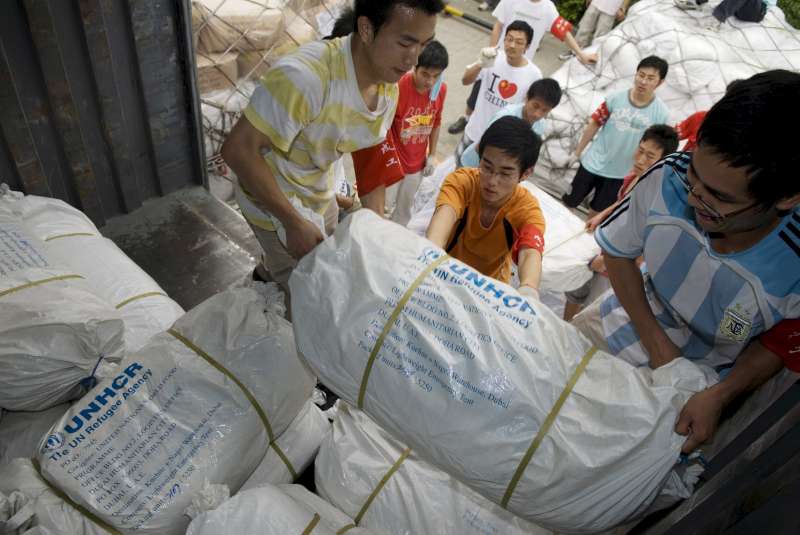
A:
(485, 218)
(719, 229)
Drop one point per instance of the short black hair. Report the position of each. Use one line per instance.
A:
(345, 23)
(664, 136)
(732, 84)
(433, 56)
(521, 26)
(378, 11)
(547, 90)
(654, 62)
(514, 137)
(742, 128)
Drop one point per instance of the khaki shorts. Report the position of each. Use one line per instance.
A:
(276, 259)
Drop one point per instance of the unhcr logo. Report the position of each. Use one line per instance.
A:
(52, 442)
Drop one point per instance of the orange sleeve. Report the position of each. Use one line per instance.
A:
(457, 190)
(560, 28)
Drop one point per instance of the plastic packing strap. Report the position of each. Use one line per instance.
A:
(390, 322)
(138, 297)
(259, 410)
(311, 525)
(543, 429)
(564, 242)
(70, 235)
(124, 302)
(27, 285)
(385, 479)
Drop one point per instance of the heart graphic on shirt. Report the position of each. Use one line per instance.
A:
(507, 89)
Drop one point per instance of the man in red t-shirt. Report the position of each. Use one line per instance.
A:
(416, 126)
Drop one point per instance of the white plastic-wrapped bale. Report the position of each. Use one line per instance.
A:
(567, 247)
(488, 386)
(701, 64)
(21, 432)
(359, 460)
(271, 510)
(199, 404)
(56, 336)
(299, 444)
(73, 241)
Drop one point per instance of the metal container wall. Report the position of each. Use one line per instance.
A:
(98, 101)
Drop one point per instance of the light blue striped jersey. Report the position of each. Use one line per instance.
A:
(611, 153)
(711, 305)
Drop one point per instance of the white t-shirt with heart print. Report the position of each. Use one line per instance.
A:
(501, 85)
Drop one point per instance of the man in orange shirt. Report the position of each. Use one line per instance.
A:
(485, 218)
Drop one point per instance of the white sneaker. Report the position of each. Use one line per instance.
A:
(714, 25)
(686, 5)
(566, 55)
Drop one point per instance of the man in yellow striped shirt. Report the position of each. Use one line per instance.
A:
(326, 99)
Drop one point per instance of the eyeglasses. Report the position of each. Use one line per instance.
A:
(505, 176)
(713, 212)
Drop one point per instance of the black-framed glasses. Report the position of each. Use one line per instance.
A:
(715, 214)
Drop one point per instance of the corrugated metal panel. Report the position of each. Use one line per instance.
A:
(98, 102)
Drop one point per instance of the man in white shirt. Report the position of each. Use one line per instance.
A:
(504, 80)
(542, 16)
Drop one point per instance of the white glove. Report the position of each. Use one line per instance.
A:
(572, 159)
(429, 167)
(528, 291)
(487, 56)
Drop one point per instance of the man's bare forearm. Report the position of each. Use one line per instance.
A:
(242, 152)
(753, 368)
(433, 141)
(626, 279)
(530, 268)
(588, 134)
(497, 29)
(471, 74)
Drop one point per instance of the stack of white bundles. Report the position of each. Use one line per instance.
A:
(485, 384)
(200, 404)
(375, 479)
(72, 241)
(56, 336)
(274, 510)
(701, 64)
(568, 248)
(20, 432)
